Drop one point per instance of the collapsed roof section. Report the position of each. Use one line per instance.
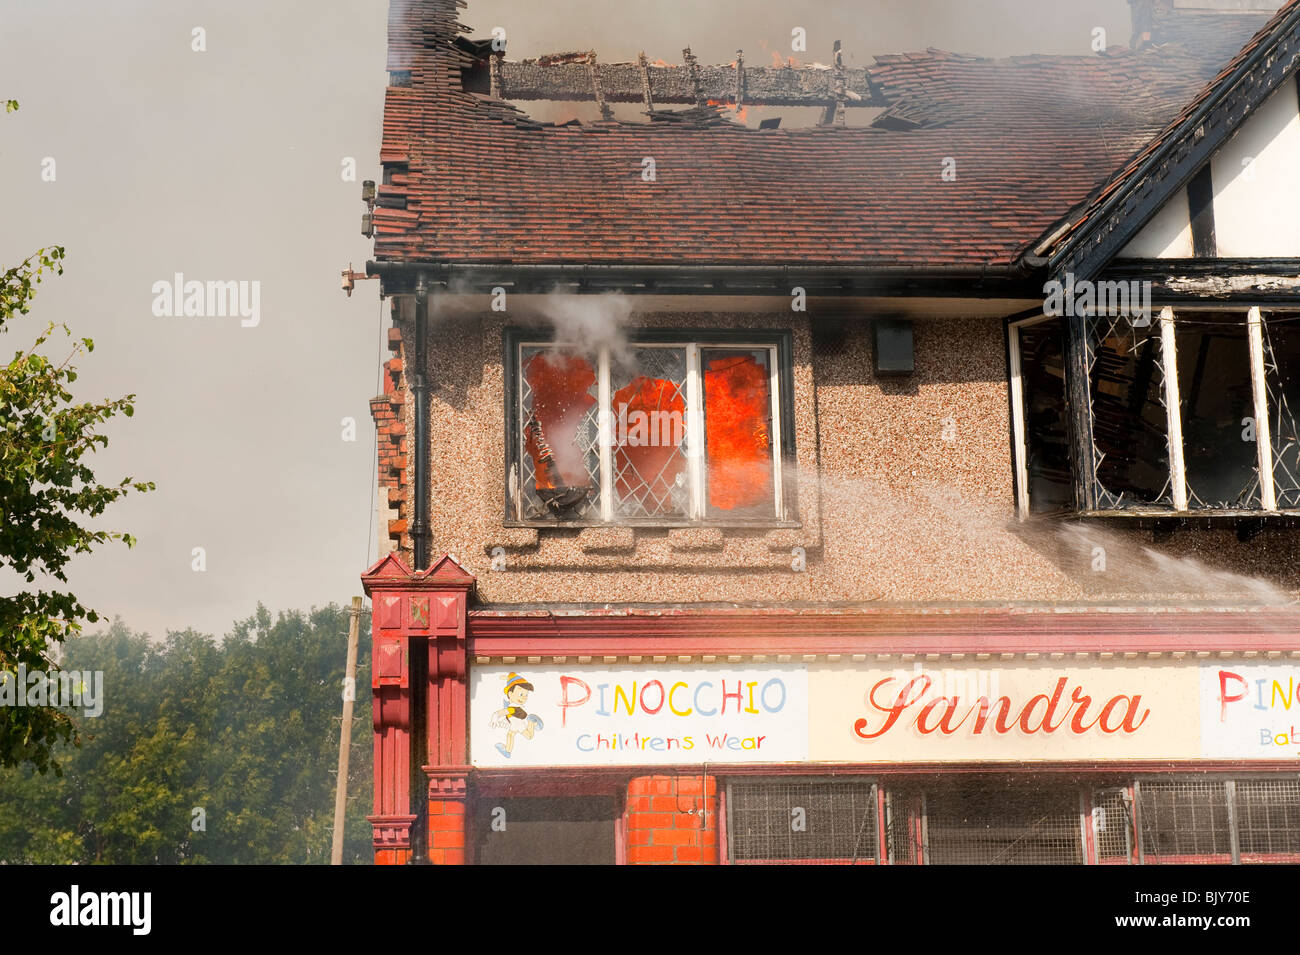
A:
(971, 161)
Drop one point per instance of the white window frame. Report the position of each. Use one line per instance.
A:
(697, 511)
(1020, 444)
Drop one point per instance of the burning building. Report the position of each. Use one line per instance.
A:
(918, 486)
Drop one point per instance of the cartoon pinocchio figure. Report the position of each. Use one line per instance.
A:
(512, 717)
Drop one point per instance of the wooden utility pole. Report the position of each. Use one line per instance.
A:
(345, 736)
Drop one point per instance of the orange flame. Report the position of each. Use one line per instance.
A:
(561, 385)
(738, 442)
(739, 114)
(656, 458)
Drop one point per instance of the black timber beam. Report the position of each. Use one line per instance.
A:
(1246, 281)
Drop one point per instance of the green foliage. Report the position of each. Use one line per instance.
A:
(47, 491)
(246, 730)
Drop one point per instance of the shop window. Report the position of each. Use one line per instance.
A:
(1184, 820)
(904, 827)
(1189, 410)
(1112, 826)
(976, 824)
(1188, 819)
(1268, 820)
(545, 831)
(802, 821)
(1205, 819)
(664, 432)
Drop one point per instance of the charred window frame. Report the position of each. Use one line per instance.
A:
(674, 375)
(1196, 410)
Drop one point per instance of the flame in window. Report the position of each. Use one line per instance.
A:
(649, 428)
(738, 440)
(561, 384)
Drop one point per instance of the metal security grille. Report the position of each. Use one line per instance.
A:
(903, 821)
(827, 820)
(1112, 825)
(1000, 825)
(1268, 818)
(1184, 818)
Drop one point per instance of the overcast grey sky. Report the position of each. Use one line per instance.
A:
(226, 165)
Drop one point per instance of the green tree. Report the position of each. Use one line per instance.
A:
(47, 492)
(246, 730)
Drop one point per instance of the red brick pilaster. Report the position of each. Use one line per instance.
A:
(672, 820)
(447, 816)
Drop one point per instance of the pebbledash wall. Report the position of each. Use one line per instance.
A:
(905, 486)
(935, 681)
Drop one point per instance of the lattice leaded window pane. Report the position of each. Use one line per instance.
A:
(1185, 817)
(1268, 817)
(649, 434)
(559, 434)
(1129, 417)
(1282, 377)
(813, 820)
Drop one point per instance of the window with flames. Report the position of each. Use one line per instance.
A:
(660, 432)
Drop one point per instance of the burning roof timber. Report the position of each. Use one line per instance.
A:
(473, 184)
(569, 78)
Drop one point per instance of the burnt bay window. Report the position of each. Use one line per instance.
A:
(1185, 409)
(669, 429)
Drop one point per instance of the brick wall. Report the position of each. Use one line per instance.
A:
(672, 820)
(389, 413)
(446, 832)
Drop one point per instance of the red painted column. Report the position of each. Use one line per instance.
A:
(406, 606)
(448, 712)
(672, 820)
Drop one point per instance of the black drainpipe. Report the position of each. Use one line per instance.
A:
(419, 649)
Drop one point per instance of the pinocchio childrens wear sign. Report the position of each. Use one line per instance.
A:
(832, 713)
(581, 716)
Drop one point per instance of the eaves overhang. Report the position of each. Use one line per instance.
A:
(832, 281)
